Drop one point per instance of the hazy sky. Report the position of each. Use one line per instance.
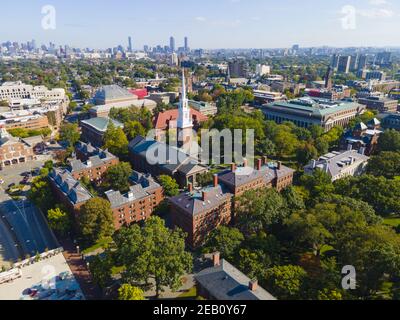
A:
(207, 23)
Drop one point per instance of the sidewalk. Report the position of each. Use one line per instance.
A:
(79, 269)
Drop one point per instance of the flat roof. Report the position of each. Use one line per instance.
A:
(39, 275)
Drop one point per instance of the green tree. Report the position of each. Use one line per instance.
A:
(389, 141)
(257, 210)
(69, 133)
(127, 292)
(96, 219)
(116, 141)
(101, 268)
(385, 164)
(59, 221)
(226, 240)
(152, 252)
(117, 177)
(374, 251)
(40, 193)
(318, 184)
(171, 187)
(305, 153)
(285, 281)
(133, 129)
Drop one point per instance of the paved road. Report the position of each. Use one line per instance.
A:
(8, 250)
(28, 224)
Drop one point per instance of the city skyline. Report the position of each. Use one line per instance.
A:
(209, 24)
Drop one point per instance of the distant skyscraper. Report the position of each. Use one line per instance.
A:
(172, 44)
(362, 62)
(383, 59)
(335, 61)
(238, 69)
(186, 44)
(328, 78)
(344, 64)
(130, 48)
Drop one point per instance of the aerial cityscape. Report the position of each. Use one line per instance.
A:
(246, 151)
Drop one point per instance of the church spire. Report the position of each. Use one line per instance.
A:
(184, 119)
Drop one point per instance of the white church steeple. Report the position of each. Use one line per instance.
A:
(184, 118)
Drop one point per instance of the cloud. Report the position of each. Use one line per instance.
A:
(377, 2)
(376, 13)
(200, 19)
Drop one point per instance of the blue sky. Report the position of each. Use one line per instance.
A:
(207, 23)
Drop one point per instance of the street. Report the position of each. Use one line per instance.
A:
(23, 227)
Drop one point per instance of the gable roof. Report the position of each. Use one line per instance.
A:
(225, 282)
(192, 202)
(163, 118)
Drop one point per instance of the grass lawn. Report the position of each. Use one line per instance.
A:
(190, 294)
(392, 221)
(101, 244)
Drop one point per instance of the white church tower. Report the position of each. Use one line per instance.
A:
(185, 123)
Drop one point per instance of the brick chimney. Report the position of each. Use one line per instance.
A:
(279, 165)
(253, 285)
(216, 259)
(233, 167)
(245, 163)
(190, 187)
(204, 196)
(265, 160)
(215, 180)
(259, 164)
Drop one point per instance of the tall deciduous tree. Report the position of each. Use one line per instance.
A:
(389, 141)
(96, 219)
(115, 141)
(117, 177)
(153, 255)
(226, 240)
(171, 187)
(59, 221)
(69, 133)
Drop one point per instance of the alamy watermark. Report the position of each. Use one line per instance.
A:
(49, 19)
(207, 147)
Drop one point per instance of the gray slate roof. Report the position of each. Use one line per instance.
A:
(244, 175)
(184, 164)
(143, 185)
(72, 188)
(225, 282)
(192, 202)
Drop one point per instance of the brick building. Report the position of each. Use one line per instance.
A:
(380, 104)
(199, 212)
(68, 190)
(93, 130)
(94, 167)
(362, 136)
(13, 150)
(266, 174)
(138, 204)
